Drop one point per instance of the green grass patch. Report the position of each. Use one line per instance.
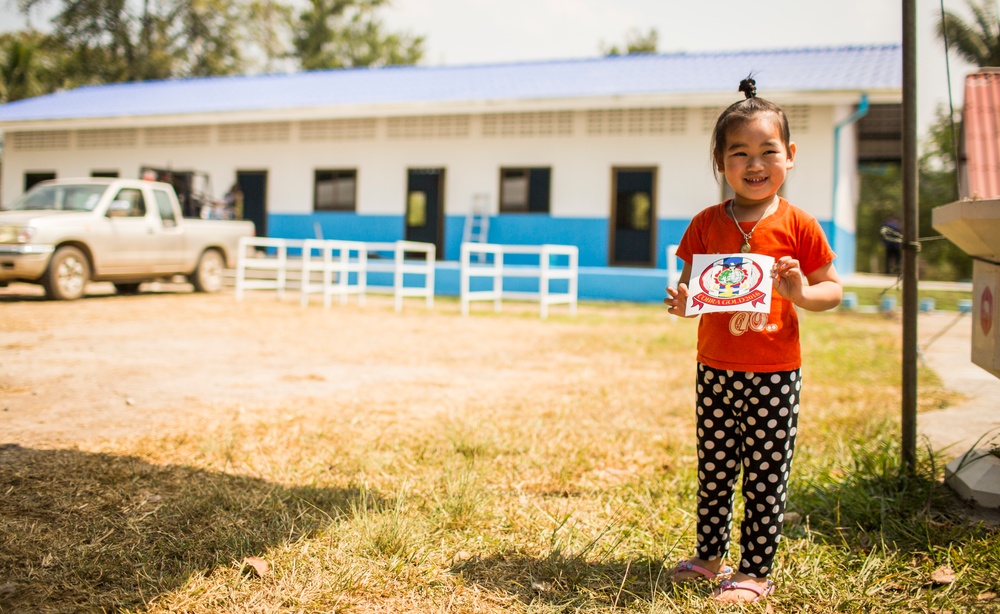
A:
(564, 489)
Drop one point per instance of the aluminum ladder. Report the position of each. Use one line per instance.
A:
(477, 222)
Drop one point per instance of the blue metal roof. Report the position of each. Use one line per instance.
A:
(858, 68)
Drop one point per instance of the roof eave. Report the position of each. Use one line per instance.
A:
(352, 111)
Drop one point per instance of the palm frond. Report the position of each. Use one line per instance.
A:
(977, 41)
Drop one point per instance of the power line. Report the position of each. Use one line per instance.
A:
(951, 103)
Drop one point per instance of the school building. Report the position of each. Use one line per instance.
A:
(608, 154)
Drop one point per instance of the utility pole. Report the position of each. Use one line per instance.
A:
(911, 216)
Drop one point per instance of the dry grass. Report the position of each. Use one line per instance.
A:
(562, 492)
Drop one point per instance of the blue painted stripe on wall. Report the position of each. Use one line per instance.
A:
(844, 243)
(620, 284)
(344, 226)
(669, 233)
(594, 283)
(589, 234)
(847, 252)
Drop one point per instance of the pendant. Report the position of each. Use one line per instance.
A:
(746, 248)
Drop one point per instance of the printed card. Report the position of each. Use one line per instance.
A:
(730, 282)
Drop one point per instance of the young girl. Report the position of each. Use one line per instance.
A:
(748, 367)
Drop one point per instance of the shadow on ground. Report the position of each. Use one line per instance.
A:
(97, 532)
(879, 503)
(26, 293)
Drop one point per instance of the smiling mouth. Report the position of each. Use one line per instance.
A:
(756, 181)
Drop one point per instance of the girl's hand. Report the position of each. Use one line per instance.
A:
(788, 278)
(676, 300)
(819, 291)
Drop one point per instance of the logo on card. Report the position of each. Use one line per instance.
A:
(730, 281)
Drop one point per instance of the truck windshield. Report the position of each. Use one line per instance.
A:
(65, 197)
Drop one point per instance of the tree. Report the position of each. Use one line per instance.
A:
(977, 41)
(268, 26)
(31, 64)
(635, 42)
(20, 67)
(938, 185)
(882, 197)
(212, 33)
(346, 33)
(107, 41)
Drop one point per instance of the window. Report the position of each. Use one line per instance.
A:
(335, 190)
(525, 190)
(137, 205)
(166, 208)
(30, 179)
(56, 197)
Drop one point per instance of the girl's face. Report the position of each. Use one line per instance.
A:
(755, 160)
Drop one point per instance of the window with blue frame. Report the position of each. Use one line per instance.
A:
(525, 190)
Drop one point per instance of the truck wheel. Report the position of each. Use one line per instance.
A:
(130, 288)
(67, 275)
(207, 277)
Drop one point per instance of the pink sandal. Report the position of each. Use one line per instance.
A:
(705, 574)
(759, 591)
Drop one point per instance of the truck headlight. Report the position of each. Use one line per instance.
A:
(16, 234)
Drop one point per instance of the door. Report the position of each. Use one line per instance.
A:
(633, 217)
(125, 240)
(253, 184)
(425, 207)
(168, 241)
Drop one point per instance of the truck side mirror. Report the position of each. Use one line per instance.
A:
(119, 208)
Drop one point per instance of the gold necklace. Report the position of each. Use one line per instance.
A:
(746, 235)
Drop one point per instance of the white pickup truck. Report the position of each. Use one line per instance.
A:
(63, 233)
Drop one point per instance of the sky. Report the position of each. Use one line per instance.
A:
(487, 31)
(497, 31)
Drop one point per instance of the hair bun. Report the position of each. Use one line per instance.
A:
(749, 87)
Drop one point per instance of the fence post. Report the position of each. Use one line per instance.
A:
(574, 259)
(543, 280)
(277, 264)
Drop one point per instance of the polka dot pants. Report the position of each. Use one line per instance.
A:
(746, 419)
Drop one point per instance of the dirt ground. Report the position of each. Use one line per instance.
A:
(108, 366)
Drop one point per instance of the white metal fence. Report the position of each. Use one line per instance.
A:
(254, 255)
(548, 263)
(407, 259)
(341, 265)
(335, 268)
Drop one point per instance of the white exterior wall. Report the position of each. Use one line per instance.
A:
(810, 184)
(581, 165)
(849, 182)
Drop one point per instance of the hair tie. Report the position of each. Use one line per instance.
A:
(749, 87)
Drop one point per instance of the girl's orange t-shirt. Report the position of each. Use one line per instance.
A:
(744, 341)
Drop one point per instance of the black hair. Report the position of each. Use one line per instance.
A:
(743, 111)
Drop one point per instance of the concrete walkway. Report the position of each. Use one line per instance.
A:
(945, 340)
(945, 343)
